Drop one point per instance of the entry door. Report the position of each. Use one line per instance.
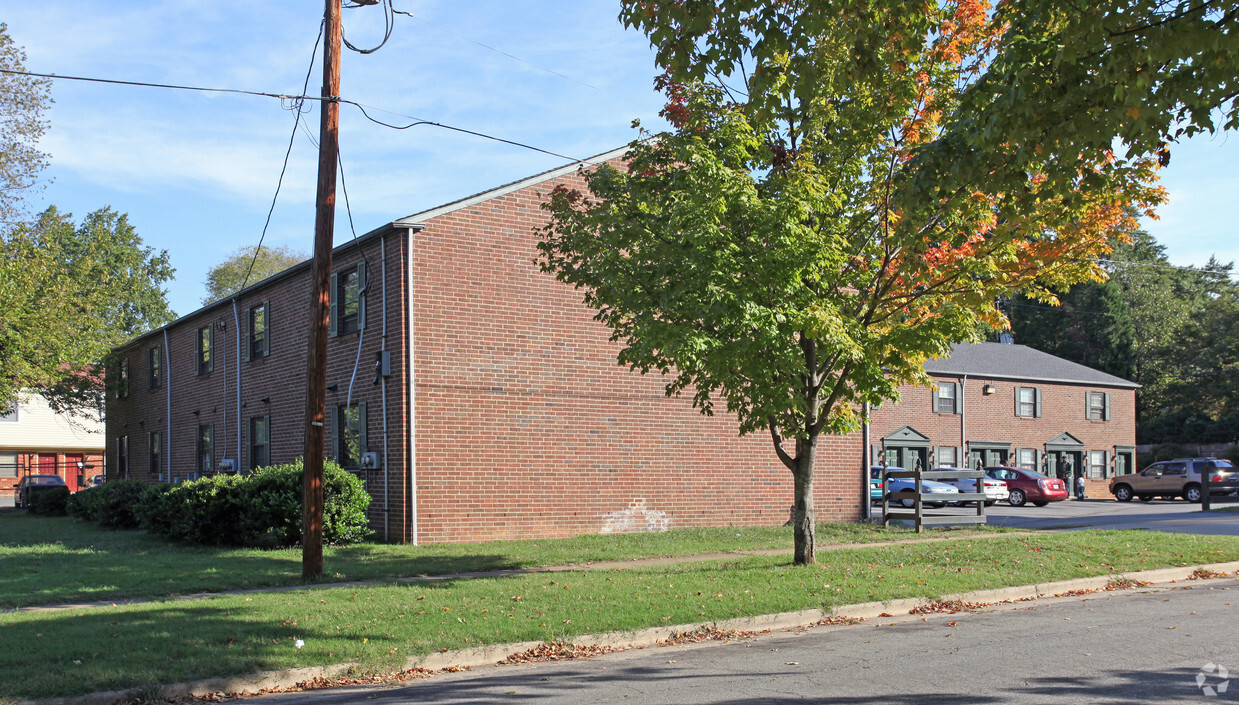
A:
(75, 476)
(906, 457)
(996, 457)
(47, 464)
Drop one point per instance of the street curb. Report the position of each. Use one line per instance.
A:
(491, 655)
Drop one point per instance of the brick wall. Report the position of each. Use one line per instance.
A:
(991, 417)
(528, 427)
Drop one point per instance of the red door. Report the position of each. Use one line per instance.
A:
(47, 464)
(75, 474)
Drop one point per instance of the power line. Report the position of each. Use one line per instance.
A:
(297, 109)
(501, 52)
(144, 84)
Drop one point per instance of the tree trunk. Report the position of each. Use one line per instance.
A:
(804, 518)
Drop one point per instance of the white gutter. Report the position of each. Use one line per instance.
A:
(412, 391)
(236, 320)
(167, 382)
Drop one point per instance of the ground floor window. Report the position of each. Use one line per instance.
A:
(946, 456)
(8, 464)
(260, 442)
(122, 456)
(1097, 463)
(156, 455)
(1027, 458)
(206, 449)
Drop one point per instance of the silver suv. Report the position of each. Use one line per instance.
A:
(1176, 478)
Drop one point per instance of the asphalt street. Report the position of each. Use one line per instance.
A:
(1175, 516)
(1131, 647)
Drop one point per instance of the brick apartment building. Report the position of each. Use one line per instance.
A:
(498, 410)
(1012, 405)
(474, 394)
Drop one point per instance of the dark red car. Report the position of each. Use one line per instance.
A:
(1029, 486)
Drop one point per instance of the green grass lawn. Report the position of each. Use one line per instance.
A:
(76, 651)
(56, 560)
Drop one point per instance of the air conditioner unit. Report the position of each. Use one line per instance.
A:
(369, 461)
(229, 465)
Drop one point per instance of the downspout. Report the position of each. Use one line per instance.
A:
(223, 364)
(411, 418)
(383, 378)
(866, 511)
(236, 322)
(167, 384)
(963, 425)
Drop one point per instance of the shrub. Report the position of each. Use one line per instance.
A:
(115, 504)
(84, 504)
(261, 509)
(51, 502)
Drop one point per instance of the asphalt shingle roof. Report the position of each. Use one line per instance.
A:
(1019, 362)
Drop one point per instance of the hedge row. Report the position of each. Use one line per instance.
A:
(260, 509)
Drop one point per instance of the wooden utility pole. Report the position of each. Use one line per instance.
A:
(320, 278)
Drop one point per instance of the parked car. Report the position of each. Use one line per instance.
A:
(895, 485)
(95, 481)
(33, 484)
(995, 490)
(1028, 486)
(1176, 478)
(875, 485)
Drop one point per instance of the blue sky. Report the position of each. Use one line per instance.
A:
(196, 172)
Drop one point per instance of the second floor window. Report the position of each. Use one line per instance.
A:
(1098, 406)
(1027, 401)
(348, 301)
(155, 366)
(206, 361)
(122, 379)
(944, 398)
(258, 341)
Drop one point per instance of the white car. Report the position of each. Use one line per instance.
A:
(995, 490)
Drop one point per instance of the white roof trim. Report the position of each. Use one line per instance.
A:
(509, 188)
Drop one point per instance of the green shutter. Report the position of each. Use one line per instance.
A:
(245, 334)
(361, 296)
(266, 334)
(335, 433)
(1017, 401)
(362, 445)
(211, 359)
(1105, 409)
(331, 308)
(1037, 402)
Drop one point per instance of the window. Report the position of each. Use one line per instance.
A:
(122, 457)
(1098, 406)
(156, 456)
(154, 365)
(260, 441)
(9, 413)
(944, 398)
(1028, 402)
(946, 456)
(1096, 463)
(348, 301)
(258, 339)
(205, 362)
(348, 438)
(122, 379)
(8, 464)
(1027, 458)
(206, 449)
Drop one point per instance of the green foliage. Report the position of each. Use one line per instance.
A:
(22, 102)
(242, 268)
(113, 505)
(261, 509)
(51, 502)
(778, 253)
(68, 295)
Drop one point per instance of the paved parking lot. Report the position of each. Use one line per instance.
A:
(1159, 515)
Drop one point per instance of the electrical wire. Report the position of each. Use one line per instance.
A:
(418, 121)
(298, 109)
(501, 52)
(389, 23)
(144, 84)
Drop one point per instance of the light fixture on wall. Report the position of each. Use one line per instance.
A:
(332, 387)
(266, 400)
(989, 389)
(197, 411)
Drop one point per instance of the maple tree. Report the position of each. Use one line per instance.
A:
(777, 252)
(22, 102)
